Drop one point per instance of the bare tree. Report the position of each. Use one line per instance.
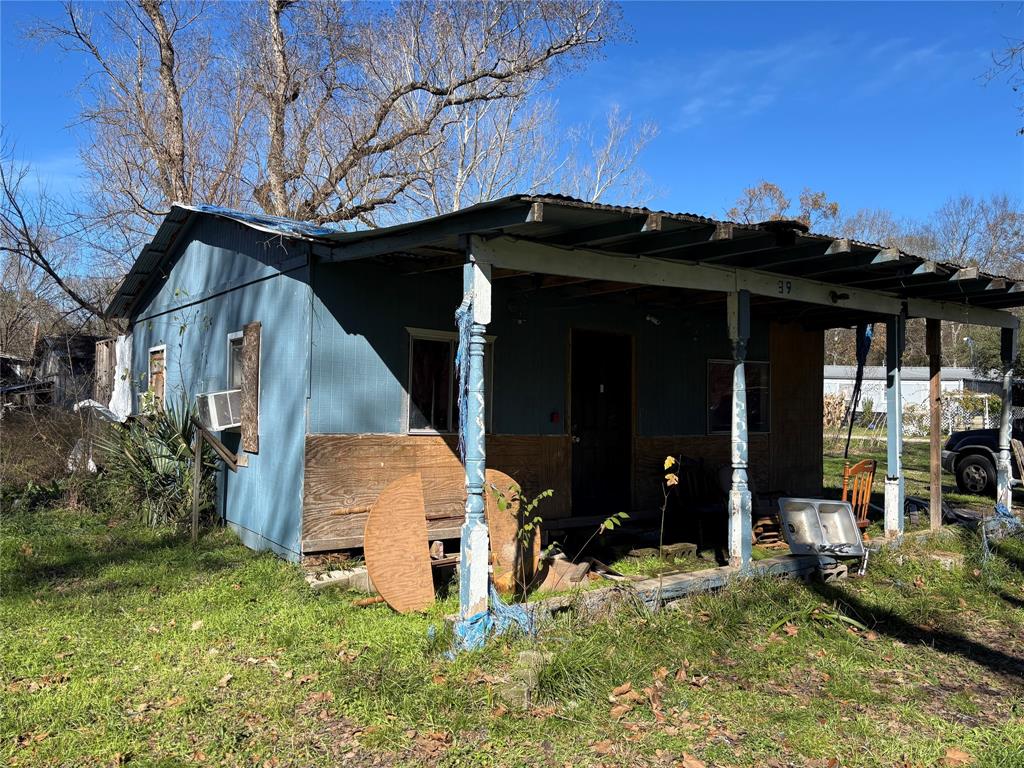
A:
(165, 123)
(987, 232)
(348, 118)
(762, 202)
(600, 164)
(766, 201)
(496, 148)
(1008, 64)
(29, 232)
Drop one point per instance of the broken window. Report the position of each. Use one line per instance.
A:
(433, 401)
(235, 360)
(158, 374)
(758, 380)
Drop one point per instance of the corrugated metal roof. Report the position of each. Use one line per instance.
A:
(785, 248)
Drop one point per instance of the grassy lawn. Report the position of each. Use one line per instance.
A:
(915, 470)
(126, 645)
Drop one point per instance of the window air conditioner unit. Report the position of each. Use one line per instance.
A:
(220, 410)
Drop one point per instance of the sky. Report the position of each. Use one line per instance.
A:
(878, 104)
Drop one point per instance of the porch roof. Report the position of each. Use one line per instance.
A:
(564, 226)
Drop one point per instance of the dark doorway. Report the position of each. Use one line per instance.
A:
(602, 422)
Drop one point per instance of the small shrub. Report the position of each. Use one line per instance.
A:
(867, 411)
(149, 460)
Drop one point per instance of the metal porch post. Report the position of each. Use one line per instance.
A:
(474, 549)
(738, 306)
(894, 488)
(1008, 353)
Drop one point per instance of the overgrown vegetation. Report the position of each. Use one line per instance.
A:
(134, 647)
(151, 459)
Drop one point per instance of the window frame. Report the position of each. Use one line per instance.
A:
(707, 397)
(232, 337)
(452, 337)
(149, 370)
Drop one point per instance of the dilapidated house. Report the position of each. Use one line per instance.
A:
(604, 338)
(59, 374)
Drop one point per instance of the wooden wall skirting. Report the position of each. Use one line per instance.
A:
(344, 475)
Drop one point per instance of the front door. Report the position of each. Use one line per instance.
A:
(601, 422)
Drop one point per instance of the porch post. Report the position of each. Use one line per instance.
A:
(894, 489)
(933, 342)
(738, 305)
(1008, 353)
(474, 561)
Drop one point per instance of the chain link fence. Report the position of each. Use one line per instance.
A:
(959, 411)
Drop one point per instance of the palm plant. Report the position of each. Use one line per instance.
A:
(151, 457)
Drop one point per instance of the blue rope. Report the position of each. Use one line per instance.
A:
(1003, 524)
(471, 633)
(464, 322)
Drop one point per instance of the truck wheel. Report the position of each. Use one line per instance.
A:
(975, 474)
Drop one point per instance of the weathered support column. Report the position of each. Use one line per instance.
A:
(894, 489)
(738, 305)
(474, 561)
(1004, 474)
(933, 342)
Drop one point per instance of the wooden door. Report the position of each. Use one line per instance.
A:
(601, 424)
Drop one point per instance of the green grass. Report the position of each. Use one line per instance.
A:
(915, 471)
(126, 645)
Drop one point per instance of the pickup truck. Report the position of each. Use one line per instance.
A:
(971, 457)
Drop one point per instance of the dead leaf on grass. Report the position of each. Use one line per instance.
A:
(303, 679)
(791, 629)
(622, 689)
(871, 635)
(225, 681)
(197, 625)
(603, 747)
(620, 711)
(689, 761)
(955, 757)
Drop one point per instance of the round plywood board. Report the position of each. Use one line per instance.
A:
(396, 548)
(513, 562)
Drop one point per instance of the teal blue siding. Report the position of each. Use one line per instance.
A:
(226, 277)
(360, 356)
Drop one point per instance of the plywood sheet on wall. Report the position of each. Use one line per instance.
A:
(344, 475)
(649, 461)
(798, 359)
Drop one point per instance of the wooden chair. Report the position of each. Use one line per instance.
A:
(857, 482)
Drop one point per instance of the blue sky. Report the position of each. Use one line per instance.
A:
(880, 104)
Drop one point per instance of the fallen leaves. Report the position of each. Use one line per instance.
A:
(791, 629)
(689, 761)
(955, 757)
(225, 681)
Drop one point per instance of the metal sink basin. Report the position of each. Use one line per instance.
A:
(820, 527)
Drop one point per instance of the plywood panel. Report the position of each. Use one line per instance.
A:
(513, 561)
(396, 547)
(798, 358)
(103, 382)
(251, 387)
(344, 475)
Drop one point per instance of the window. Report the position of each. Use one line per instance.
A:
(158, 374)
(720, 396)
(234, 378)
(433, 405)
